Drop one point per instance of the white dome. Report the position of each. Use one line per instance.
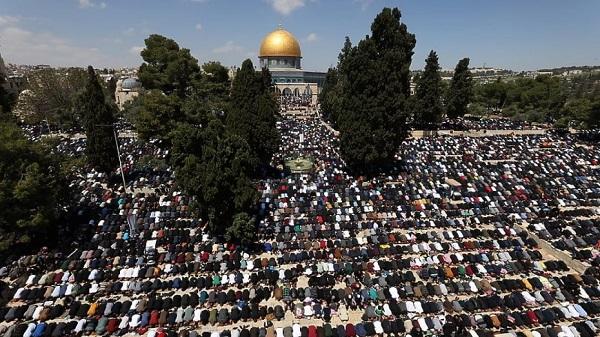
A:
(131, 83)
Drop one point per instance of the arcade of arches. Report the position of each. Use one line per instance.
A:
(304, 94)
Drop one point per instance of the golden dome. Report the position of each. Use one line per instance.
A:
(279, 42)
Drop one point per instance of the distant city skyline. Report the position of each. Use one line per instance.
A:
(512, 34)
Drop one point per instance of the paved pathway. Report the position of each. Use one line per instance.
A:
(421, 133)
(473, 133)
(548, 249)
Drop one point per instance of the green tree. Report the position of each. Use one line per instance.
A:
(167, 67)
(429, 107)
(242, 229)
(593, 120)
(214, 85)
(216, 73)
(544, 98)
(345, 52)
(213, 165)
(268, 110)
(5, 97)
(210, 95)
(31, 190)
(111, 87)
(98, 119)
(576, 110)
(375, 86)
(329, 96)
(492, 95)
(51, 97)
(395, 47)
(253, 112)
(544, 95)
(156, 116)
(461, 90)
(584, 86)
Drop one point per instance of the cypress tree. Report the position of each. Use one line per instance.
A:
(244, 90)
(328, 95)
(253, 112)
(345, 51)
(98, 120)
(461, 90)
(429, 108)
(375, 84)
(266, 132)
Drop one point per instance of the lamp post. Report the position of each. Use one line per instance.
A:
(131, 226)
(118, 153)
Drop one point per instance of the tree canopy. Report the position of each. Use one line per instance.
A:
(329, 96)
(252, 114)
(167, 67)
(593, 116)
(155, 116)
(210, 94)
(374, 80)
(31, 189)
(219, 133)
(6, 98)
(492, 95)
(51, 97)
(428, 107)
(461, 90)
(215, 73)
(214, 165)
(534, 99)
(98, 119)
(178, 94)
(566, 102)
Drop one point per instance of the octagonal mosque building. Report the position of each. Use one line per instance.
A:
(280, 52)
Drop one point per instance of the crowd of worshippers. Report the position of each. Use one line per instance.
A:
(440, 246)
(592, 135)
(475, 123)
(578, 236)
(292, 102)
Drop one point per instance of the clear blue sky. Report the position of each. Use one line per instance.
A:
(516, 34)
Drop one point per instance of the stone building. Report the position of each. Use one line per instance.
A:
(127, 89)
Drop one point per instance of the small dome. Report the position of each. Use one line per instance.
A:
(131, 83)
(280, 42)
